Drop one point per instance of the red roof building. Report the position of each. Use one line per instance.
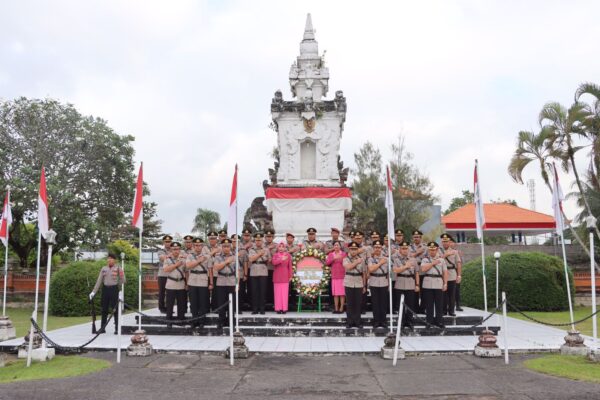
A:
(500, 219)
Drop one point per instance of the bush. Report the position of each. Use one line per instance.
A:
(71, 285)
(532, 282)
(132, 255)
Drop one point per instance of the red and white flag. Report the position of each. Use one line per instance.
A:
(233, 201)
(6, 219)
(479, 215)
(138, 204)
(557, 199)
(43, 220)
(389, 204)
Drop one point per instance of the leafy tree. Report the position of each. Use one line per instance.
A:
(206, 220)
(368, 188)
(458, 202)
(89, 170)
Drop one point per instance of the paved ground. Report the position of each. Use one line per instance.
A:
(180, 377)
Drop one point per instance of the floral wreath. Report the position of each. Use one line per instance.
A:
(310, 291)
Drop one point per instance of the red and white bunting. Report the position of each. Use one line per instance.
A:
(138, 205)
(6, 219)
(43, 219)
(557, 199)
(389, 205)
(479, 214)
(233, 201)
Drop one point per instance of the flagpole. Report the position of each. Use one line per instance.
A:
(485, 304)
(237, 259)
(140, 285)
(562, 241)
(390, 282)
(5, 255)
(37, 273)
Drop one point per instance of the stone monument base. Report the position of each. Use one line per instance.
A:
(7, 329)
(487, 347)
(574, 345)
(387, 350)
(240, 350)
(39, 354)
(140, 346)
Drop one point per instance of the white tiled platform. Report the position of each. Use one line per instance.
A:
(523, 336)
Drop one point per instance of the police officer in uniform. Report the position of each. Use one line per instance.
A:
(407, 281)
(245, 245)
(242, 264)
(335, 237)
(454, 265)
(354, 285)
(198, 263)
(111, 276)
(214, 248)
(258, 257)
(418, 250)
(378, 273)
(187, 244)
(174, 265)
(433, 284)
(222, 235)
(162, 275)
(292, 248)
(311, 239)
(270, 244)
(457, 289)
(224, 268)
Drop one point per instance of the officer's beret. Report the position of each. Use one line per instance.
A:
(417, 233)
(445, 237)
(290, 234)
(258, 235)
(359, 233)
(385, 236)
(222, 232)
(399, 232)
(167, 237)
(353, 245)
(175, 245)
(234, 235)
(188, 237)
(404, 244)
(352, 233)
(246, 232)
(270, 232)
(433, 245)
(213, 234)
(375, 233)
(197, 240)
(311, 230)
(335, 230)
(377, 243)
(226, 241)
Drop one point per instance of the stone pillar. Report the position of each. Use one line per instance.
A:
(140, 346)
(2, 359)
(487, 347)
(240, 350)
(38, 353)
(574, 344)
(7, 329)
(387, 351)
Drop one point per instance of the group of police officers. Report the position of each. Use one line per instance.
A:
(204, 274)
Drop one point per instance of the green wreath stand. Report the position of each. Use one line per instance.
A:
(313, 292)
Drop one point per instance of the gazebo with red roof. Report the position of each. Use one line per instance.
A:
(500, 219)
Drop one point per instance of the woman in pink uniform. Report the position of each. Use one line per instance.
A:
(335, 260)
(282, 275)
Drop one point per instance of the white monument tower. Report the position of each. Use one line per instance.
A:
(307, 186)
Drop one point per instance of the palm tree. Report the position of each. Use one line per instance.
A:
(591, 125)
(206, 220)
(538, 148)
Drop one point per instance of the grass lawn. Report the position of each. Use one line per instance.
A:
(561, 317)
(572, 367)
(58, 367)
(20, 318)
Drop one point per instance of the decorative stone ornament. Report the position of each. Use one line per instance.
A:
(387, 351)
(487, 347)
(574, 344)
(38, 353)
(7, 329)
(140, 346)
(240, 350)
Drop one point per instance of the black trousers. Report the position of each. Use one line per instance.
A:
(258, 289)
(270, 294)
(108, 301)
(179, 296)
(213, 295)
(410, 300)
(449, 298)
(244, 299)
(457, 295)
(420, 303)
(162, 282)
(395, 298)
(222, 298)
(434, 301)
(354, 298)
(199, 303)
(379, 304)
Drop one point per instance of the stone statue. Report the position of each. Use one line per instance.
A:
(340, 101)
(277, 102)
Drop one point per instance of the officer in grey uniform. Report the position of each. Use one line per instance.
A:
(434, 284)
(111, 276)
(311, 239)
(270, 244)
(258, 258)
(407, 281)
(245, 245)
(418, 250)
(162, 275)
(174, 265)
(198, 263)
(214, 248)
(243, 266)
(454, 265)
(335, 237)
(222, 235)
(354, 285)
(224, 268)
(378, 271)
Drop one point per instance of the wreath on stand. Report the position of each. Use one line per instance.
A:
(313, 290)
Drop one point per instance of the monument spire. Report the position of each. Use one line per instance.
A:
(309, 32)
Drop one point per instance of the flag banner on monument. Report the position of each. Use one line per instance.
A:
(389, 204)
(6, 220)
(138, 204)
(557, 199)
(479, 214)
(308, 199)
(232, 220)
(43, 220)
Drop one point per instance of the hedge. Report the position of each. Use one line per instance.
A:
(532, 282)
(70, 287)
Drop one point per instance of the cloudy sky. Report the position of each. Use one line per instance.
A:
(193, 82)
